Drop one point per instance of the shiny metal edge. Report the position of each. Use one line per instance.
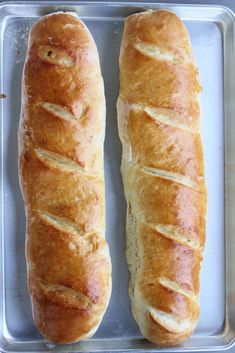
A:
(224, 17)
(115, 6)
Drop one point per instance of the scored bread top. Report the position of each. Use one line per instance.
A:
(61, 137)
(163, 174)
(152, 42)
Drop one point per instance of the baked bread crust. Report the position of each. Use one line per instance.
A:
(163, 174)
(61, 136)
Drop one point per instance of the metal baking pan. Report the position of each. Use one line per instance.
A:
(212, 34)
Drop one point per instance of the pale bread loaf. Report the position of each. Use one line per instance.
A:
(163, 174)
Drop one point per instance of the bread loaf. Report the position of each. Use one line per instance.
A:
(163, 174)
(61, 137)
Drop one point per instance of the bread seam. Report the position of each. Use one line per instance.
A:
(60, 112)
(160, 54)
(53, 55)
(63, 290)
(175, 287)
(171, 323)
(161, 115)
(58, 161)
(165, 119)
(61, 224)
(164, 174)
(169, 232)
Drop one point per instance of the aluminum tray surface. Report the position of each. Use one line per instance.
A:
(212, 34)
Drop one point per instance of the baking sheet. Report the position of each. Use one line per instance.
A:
(212, 34)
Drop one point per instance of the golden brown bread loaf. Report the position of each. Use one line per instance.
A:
(61, 137)
(163, 174)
